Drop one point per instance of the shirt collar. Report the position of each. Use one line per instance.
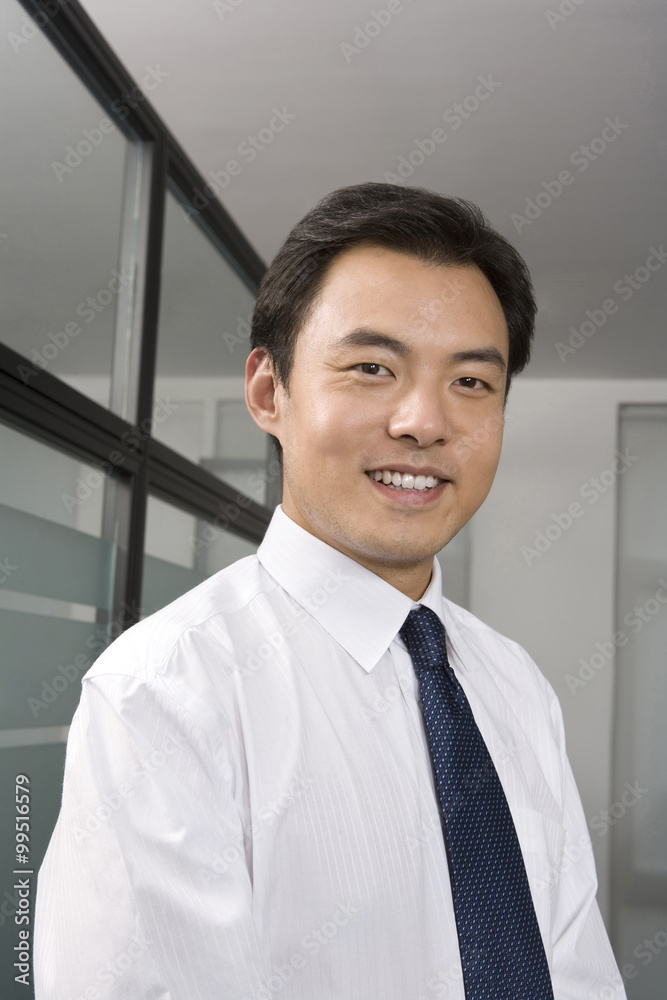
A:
(358, 609)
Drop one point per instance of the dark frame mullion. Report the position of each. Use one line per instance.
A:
(149, 308)
(214, 220)
(176, 480)
(47, 407)
(74, 34)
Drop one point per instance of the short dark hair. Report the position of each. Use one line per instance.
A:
(412, 221)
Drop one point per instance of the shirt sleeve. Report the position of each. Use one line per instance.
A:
(583, 964)
(145, 891)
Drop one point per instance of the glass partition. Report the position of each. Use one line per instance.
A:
(56, 570)
(61, 188)
(637, 820)
(203, 343)
(181, 551)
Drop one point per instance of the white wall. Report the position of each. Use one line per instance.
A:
(560, 436)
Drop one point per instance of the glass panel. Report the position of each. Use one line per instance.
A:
(56, 570)
(637, 820)
(454, 562)
(203, 343)
(61, 188)
(181, 551)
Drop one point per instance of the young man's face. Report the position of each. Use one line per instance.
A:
(400, 368)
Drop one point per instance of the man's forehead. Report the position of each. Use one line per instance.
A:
(374, 288)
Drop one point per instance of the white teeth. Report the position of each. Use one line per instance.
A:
(405, 480)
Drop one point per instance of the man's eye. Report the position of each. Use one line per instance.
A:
(472, 383)
(371, 368)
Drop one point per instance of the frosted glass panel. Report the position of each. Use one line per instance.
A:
(44, 658)
(55, 580)
(56, 571)
(182, 551)
(164, 582)
(57, 561)
(638, 816)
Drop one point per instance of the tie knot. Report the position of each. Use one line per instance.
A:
(424, 635)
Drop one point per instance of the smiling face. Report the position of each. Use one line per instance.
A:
(391, 426)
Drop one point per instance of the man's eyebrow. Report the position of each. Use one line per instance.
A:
(365, 337)
(489, 355)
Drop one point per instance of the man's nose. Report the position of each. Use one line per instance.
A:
(421, 414)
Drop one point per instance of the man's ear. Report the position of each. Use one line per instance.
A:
(263, 392)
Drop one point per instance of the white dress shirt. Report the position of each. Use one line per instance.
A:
(249, 808)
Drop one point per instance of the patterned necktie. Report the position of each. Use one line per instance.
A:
(502, 954)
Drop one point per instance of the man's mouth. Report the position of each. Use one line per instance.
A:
(405, 480)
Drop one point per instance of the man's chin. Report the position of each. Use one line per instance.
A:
(406, 554)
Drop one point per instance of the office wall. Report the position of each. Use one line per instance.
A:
(559, 450)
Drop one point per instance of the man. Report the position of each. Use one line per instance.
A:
(293, 782)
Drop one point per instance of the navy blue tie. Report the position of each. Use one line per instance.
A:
(502, 954)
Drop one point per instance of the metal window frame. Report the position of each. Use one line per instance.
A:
(121, 441)
(628, 884)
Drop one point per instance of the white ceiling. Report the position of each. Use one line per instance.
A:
(227, 65)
